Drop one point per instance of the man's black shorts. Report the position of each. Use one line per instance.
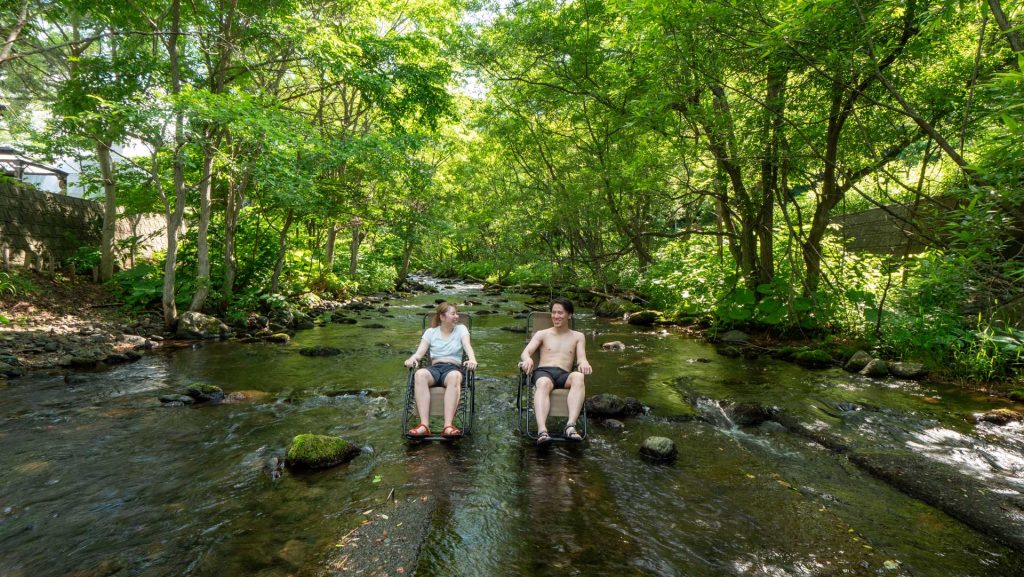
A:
(557, 375)
(440, 371)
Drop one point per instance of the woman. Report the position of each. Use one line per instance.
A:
(446, 340)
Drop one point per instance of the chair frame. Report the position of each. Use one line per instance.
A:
(524, 396)
(465, 413)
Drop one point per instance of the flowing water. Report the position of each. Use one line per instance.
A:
(100, 479)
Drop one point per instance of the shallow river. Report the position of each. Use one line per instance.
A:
(100, 479)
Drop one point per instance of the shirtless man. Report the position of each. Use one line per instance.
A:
(558, 345)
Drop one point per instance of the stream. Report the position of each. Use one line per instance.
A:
(100, 479)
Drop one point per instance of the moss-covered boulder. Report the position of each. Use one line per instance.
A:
(193, 325)
(1017, 395)
(309, 452)
(813, 358)
(281, 338)
(614, 307)
(608, 405)
(205, 393)
(858, 361)
(877, 369)
(659, 449)
(912, 371)
(996, 417)
(644, 318)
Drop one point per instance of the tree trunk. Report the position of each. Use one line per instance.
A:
(281, 248)
(406, 257)
(174, 218)
(356, 225)
(202, 240)
(1012, 34)
(12, 36)
(774, 120)
(332, 239)
(106, 162)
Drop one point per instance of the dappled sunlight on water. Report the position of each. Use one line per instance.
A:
(100, 471)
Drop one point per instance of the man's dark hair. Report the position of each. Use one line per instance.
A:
(566, 304)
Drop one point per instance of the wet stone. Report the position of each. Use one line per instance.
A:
(659, 449)
(858, 361)
(614, 346)
(877, 368)
(912, 371)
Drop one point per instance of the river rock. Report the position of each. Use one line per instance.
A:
(609, 405)
(613, 424)
(613, 308)
(373, 326)
(281, 338)
(10, 371)
(877, 369)
(912, 371)
(180, 399)
(204, 393)
(735, 337)
(302, 322)
(343, 320)
(814, 359)
(309, 452)
(137, 342)
(858, 361)
(659, 449)
(730, 351)
(192, 325)
(614, 346)
(319, 351)
(749, 414)
(1017, 395)
(996, 417)
(643, 318)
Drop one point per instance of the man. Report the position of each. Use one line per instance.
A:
(559, 346)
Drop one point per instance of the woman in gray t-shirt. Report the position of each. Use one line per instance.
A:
(446, 341)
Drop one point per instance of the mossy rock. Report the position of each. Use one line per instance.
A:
(279, 338)
(660, 449)
(310, 452)
(614, 307)
(1017, 395)
(644, 318)
(205, 393)
(814, 358)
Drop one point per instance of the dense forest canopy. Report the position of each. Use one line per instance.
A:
(698, 154)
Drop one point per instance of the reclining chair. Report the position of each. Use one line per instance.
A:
(464, 413)
(538, 321)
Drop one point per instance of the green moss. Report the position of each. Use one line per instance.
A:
(206, 388)
(813, 358)
(1017, 395)
(310, 451)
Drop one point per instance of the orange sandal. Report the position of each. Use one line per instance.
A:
(421, 430)
(451, 431)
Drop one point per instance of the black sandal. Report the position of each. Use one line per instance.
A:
(543, 438)
(571, 434)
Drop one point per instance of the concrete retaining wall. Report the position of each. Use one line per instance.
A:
(42, 229)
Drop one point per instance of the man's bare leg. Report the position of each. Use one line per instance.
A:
(452, 392)
(542, 402)
(422, 381)
(577, 394)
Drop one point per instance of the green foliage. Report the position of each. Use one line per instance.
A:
(139, 287)
(84, 258)
(15, 283)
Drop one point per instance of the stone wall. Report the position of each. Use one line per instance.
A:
(42, 229)
(894, 229)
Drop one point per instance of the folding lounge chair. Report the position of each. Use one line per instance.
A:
(464, 413)
(559, 408)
